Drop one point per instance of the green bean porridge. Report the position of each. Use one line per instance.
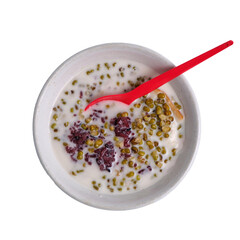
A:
(113, 148)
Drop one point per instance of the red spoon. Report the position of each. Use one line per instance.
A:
(158, 81)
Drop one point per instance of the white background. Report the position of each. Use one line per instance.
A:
(37, 36)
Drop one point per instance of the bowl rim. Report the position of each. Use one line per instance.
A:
(109, 45)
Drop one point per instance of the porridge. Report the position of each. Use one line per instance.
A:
(115, 148)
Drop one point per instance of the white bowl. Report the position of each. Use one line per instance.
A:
(67, 71)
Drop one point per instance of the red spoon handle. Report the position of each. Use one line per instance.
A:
(158, 81)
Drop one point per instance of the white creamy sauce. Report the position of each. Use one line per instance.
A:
(68, 109)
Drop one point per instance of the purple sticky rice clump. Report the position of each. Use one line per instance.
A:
(122, 128)
(78, 137)
(105, 156)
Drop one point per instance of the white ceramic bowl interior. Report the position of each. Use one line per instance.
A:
(66, 72)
